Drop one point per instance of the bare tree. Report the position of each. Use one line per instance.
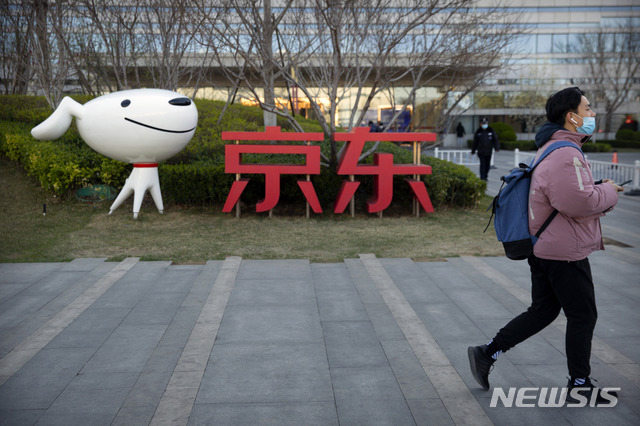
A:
(172, 56)
(361, 49)
(242, 34)
(613, 60)
(17, 20)
(107, 45)
(530, 100)
(47, 55)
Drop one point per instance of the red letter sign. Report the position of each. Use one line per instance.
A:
(272, 172)
(382, 168)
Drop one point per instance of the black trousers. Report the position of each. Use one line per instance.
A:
(485, 165)
(554, 285)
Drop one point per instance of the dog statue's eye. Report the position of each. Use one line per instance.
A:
(125, 103)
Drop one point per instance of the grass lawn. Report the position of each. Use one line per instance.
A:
(71, 229)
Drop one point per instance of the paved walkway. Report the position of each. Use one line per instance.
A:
(242, 342)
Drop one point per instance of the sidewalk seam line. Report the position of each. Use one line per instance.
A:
(180, 394)
(25, 351)
(454, 393)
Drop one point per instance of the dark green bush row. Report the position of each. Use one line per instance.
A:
(205, 182)
(627, 138)
(504, 131)
(628, 134)
(196, 175)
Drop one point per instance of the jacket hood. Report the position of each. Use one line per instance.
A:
(548, 129)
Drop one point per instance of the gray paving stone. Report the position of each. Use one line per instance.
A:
(128, 291)
(274, 269)
(20, 273)
(84, 264)
(361, 279)
(369, 396)
(134, 415)
(413, 381)
(332, 277)
(429, 412)
(272, 292)
(366, 383)
(292, 413)
(374, 412)
(148, 389)
(353, 344)
(270, 323)
(91, 329)
(127, 350)
(101, 395)
(20, 417)
(11, 336)
(251, 372)
(336, 306)
(384, 323)
(39, 383)
(33, 298)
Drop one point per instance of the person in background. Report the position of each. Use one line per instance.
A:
(485, 140)
(460, 132)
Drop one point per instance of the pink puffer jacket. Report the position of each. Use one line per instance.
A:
(563, 181)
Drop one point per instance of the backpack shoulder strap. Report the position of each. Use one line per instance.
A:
(553, 147)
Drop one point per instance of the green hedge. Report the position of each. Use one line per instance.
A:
(59, 166)
(504, 131)
(627, 138)
(205, 182)
(196, 175)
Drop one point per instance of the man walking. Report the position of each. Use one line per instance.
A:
(560, 272)
(484, 141)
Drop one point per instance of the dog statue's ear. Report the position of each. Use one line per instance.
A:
(58, 122)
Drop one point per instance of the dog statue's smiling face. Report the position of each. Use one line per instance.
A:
(134, 126)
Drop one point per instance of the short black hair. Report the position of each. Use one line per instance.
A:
(560, 103)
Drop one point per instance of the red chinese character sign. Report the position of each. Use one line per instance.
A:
(383, 169)
(272, 172)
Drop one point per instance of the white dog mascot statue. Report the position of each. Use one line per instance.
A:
(142, 127)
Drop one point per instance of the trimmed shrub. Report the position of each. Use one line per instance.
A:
(521, 145)
(505, 132)
(627, 138)
(59, 165)
(196, 175)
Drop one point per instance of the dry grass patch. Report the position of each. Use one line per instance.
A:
(195, 235)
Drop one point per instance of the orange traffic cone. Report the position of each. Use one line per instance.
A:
(614, 160)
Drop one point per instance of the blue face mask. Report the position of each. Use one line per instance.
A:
(588, 125)
(484, 126)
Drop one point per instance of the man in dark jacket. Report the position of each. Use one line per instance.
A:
(484, 141)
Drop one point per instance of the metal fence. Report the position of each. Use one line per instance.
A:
(459, 156)
(617, 172)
